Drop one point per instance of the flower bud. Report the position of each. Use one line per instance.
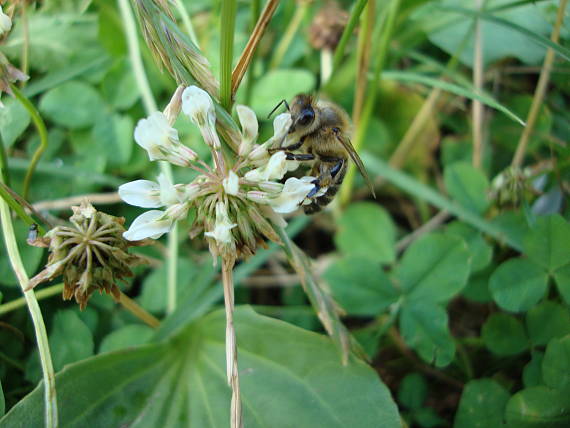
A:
(198, 106)
(5, 22)
(231, 183)
(172, 110)
(223, 226)
(249, 128)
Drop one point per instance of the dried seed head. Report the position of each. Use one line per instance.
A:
(8, 74)
(91, 255)
(327, 27)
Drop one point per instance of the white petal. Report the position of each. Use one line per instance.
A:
(231, 183)
(275, 169)
(281, 126)
(5, 22)
(155, 131)
(294, 191)
(168, 194)
(141, 193)
(222, 229)
(249, 128)
(197, 104)
(148, 225)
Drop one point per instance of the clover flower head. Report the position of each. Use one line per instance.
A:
(237, 207)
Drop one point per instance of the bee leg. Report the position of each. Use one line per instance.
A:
(300, 157)
(291, 147)
(315, 190)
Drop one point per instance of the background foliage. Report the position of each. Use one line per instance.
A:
(461, 302)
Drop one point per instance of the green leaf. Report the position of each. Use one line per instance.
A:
(73, 105)
(277, 85)
(482, 405)
(480, 250)
(182, 382)
(120, 86)
(477, 288)
(556, 364)
(504, 335)
(548, 244)
(518, 284)
(532, 372)
(70, 339)
(562, 278)
(54, 39)
(538, 407)
(114, 136)
(412, 391)
(2, 401)
(467, 185)
(360, 286)
(514, 225)
(434, 268)
(126, 337)
(426, 417)
(14, 119)
(424, 327)
(546, 321)
(469, 92)
(31, 256)
(366, 230)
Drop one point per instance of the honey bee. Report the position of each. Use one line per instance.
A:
(319, 134)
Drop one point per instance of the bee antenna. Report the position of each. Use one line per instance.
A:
(277, 106)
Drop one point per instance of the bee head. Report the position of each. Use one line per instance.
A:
(303, 113)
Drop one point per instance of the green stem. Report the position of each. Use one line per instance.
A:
(150, 107)
(292, 28)
(4, 162)
(42, 131)
(228, 21)
(348, 30)
(41, 294)
(50, 399)
(18, 209)
(382, 49)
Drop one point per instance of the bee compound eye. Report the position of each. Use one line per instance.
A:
(306, 117)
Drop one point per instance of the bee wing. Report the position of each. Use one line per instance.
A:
(345, 141)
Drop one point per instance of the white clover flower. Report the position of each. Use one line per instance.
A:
(223, 226)
(148, 194)
(5, 22)
(281, 126)
(198, 106)
(274, 169)
(151, 224)
(249, 128)
(294, 192)
(231, 183)
(160, 140)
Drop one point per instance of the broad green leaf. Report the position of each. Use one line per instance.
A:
(548, 244)
(14, 119)
(182, 382)
(367, 230)
(54, 39)
(514, 225)
(480, 250)
(556, 364)
(538, 407)
(482, 405)
(277, 85)
(434, 268)
(504, 335)
(70, 339)
(467, 185)
(126, 337)
(423, 192)
(518, 284)
(426, 417)
(562, 278)
(31, 256)
(412, 391)
(546, 321)
(477, 288)
(114, 136)
(360, 286)
(120, 86)
(73, 105)
(424, 327)
(532, 372)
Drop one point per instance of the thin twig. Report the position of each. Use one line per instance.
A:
(66, 203)
(254, 39)
(478, 84)
(540, 89)
(231, 343)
